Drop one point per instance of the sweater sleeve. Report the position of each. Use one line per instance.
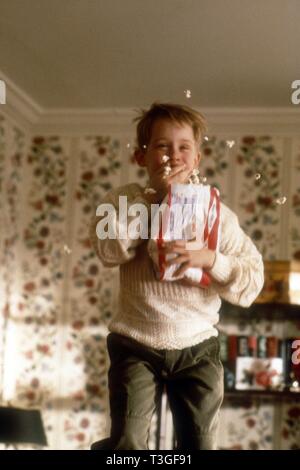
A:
(238, 270)
(120, 246)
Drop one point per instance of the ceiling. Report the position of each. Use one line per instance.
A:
(128, 53)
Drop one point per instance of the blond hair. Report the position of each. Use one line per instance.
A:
(173, 112)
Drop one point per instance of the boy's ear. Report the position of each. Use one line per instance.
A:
(139, 157)
(198, 158)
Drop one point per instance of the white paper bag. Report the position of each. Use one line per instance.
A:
(189, 212)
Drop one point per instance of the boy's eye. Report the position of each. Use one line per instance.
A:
(164, 146)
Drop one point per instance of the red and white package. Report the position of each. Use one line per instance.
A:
(189, 212)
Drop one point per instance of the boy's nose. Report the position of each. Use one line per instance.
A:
(174, 156)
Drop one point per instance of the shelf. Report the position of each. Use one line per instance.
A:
(273, 310)
(246, 394)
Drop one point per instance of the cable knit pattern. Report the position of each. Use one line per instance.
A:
(175, 315)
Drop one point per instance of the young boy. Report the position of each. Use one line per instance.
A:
(164, 332)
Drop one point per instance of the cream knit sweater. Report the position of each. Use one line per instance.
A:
(175, 315)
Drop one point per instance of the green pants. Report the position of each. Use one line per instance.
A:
(194, 382)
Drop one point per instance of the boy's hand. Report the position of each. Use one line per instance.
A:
(187, 258)
(160, 181)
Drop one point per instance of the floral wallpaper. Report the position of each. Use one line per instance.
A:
(57, 299)
(248, 424)
(214, 165)
(290, 426)
(294, 235)
(41, 273)
(3, 280)
(258, 179)
(91, 297)
(13, 147)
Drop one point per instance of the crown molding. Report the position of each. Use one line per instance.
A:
(19, 106)
(233, 121)
(71, 121)
(274, 121)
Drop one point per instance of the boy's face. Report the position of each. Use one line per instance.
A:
(174, 140)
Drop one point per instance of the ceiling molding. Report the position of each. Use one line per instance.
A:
(24, 110)
(276, 121)
(19, 106)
